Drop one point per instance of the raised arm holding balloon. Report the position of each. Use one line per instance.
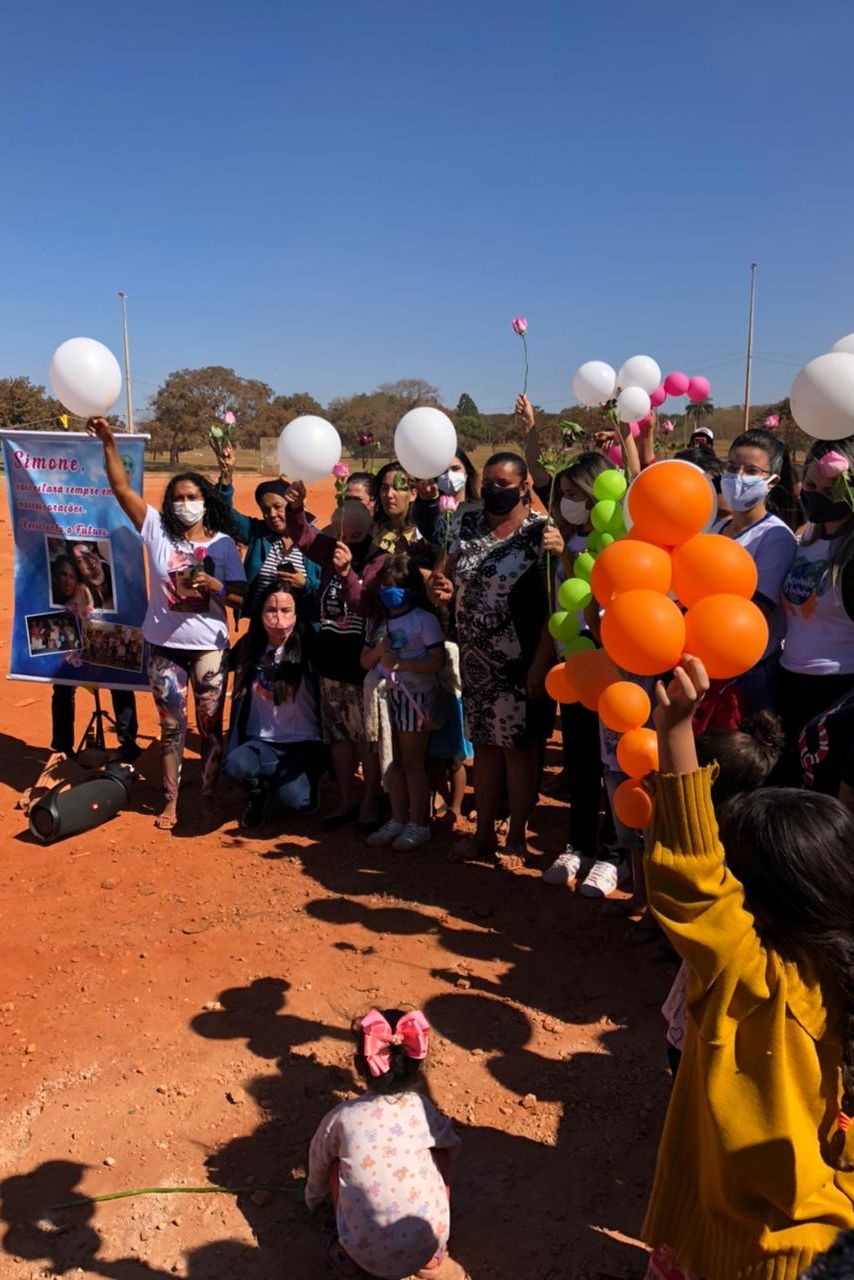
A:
(195, 571)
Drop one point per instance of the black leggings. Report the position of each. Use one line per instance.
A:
(582, 755)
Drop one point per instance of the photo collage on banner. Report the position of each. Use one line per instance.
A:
(80, 594)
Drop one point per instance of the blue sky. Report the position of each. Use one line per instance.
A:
(334, 194)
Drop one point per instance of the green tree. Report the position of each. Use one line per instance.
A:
(191, 400)
(466, 407)
(695, 414)
(24, 404)
(410, 392)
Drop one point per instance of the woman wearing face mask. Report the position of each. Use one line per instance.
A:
(502, 613)
(394, 519)
(194, 572)
(458, 481)
(818, 594)
(270, 555)
(349, 564)
(274, 743)
(756, 485)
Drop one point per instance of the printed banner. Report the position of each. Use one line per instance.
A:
(80, 595)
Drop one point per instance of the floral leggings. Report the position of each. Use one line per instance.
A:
(170, 673)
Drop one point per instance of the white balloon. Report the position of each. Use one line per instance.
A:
(85, 376)
(425, 442)
(633, 403)
(845, 344)
(822, 396)
(593, 383)
(640, 371)
(308, 448)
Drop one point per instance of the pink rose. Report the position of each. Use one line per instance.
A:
(832, 464)
(229, 419)
(520, 325)
(199, 553)
(666, 427)
(772, 421)
(447, 504)
(340, 471)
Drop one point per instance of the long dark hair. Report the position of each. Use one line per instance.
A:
(55, 566)
(842, 546)
(287, 675)
(791, 850)
(781, 500)
(472, 477)
(381, 520)
(218, 514)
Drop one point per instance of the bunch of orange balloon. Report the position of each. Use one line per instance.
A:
(666, 589)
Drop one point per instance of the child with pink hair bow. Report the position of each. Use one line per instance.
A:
(384, 1161)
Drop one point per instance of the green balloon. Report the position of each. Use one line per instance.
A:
(569, 629)
(578, 645)
(584, 566)
(595, 543)
(574, 594)
(617, 523)
(603, 514)
(556, 621)
(609, 485)
(606, 539)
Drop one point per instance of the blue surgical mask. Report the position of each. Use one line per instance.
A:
(394, 597)
(740, 493)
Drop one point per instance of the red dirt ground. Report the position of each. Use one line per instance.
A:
(176, 1009)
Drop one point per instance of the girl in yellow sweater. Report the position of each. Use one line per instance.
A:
(754, 1172)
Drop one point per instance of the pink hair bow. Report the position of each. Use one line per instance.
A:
(412, 1033)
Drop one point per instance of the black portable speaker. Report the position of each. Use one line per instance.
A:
(70, 807)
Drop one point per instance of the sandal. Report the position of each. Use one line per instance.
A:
(166, 821)
(511, 859)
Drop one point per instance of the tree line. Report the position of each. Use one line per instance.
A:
(189, 401)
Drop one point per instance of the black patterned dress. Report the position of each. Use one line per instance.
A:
(501, 609)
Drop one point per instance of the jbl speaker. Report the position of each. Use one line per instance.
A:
(71, 807)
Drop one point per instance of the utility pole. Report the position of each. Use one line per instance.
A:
(128, 387)
(749, 362)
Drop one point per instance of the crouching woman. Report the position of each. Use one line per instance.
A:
(274, 744)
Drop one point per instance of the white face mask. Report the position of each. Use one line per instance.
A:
(574, 512)
(741, 493)
(188, 510)
(451, 482)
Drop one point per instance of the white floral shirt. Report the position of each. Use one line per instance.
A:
(393, 1214)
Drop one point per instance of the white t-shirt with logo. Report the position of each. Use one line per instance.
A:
(820, 635)
(773, 548)
(294, 720)
(178, 616)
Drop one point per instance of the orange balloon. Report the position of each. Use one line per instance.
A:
(624, 706)
(643, 632)
(669, 502)
(727, 633)
(559, 686)
(637, 752)
(706, 563)
(632, 804)
(597, 673)
(627, 565)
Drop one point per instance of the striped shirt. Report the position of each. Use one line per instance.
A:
(277, 555)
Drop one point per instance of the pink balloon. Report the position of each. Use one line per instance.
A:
(642, 422)
(658, 396)
(635, 427)
(676, 384)
(615, 455)
(699, 389)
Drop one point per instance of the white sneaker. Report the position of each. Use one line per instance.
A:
(567, 867)
(411, 837)
(602, 879)
(388, 832)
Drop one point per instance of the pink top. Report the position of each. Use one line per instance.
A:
(393, 1214)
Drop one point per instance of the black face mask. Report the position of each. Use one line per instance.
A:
(819, 509)
(498, 501)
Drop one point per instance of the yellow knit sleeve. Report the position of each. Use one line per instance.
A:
(698, 901)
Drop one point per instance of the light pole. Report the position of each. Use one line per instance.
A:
(749, 361)
(128, 387)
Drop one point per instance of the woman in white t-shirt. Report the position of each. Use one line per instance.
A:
(194, 572)
(275, 742)
(818, 593)
(757, 484)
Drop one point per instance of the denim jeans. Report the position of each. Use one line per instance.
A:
(291, 769)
